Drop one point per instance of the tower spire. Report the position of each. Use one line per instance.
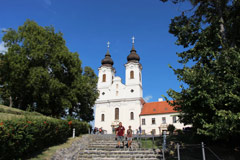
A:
(133, 56)
(107, 61)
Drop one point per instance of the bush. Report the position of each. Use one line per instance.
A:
(179, 131)
(19, 137)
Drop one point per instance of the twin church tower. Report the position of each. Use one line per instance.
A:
(118, 102)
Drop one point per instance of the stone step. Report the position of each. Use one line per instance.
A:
(103, 147)
(110, 140)
(121, 156)
(115, 142)
(118, 158)
(120, 149)
(110, 145)
(115, 152)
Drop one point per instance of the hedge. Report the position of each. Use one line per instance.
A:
(20, 138)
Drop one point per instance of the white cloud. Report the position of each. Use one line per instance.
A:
(3, 49)
(147, 98)
(4, 29)
(48, 2)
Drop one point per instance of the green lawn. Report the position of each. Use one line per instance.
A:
(6, 109)
(9, 116)
(148, 143)
(7, 113)
(2, 107)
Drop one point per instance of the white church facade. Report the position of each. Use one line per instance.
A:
(118, 102)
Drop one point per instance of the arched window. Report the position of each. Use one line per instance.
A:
(102, 117)
(140, 77)
(132, 116)
(104, 78)
(132, 75)
(116, 113)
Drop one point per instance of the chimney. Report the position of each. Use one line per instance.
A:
(160, 99)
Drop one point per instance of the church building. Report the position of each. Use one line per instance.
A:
(118, 102)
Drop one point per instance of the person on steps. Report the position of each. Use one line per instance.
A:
(120, 134)
(100, 130)
(129, 136)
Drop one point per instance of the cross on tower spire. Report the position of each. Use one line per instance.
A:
(133, 38)
(108, 44)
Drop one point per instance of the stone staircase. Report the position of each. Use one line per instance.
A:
(103, 147)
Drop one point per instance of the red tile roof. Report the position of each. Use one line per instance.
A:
(156, 108)
(142, 101)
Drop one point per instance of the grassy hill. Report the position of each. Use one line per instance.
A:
(7, 113)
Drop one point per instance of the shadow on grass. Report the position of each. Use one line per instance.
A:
(35, 154)
(47, 152)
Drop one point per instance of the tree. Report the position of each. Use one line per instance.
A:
(210, 33)
(171, 128)
(39, 72)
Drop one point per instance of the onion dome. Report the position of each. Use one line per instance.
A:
(107, 61)
(133, 56)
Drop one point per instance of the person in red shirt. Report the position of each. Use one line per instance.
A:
(120, 134)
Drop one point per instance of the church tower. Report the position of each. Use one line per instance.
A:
(106, 71)
(133, 73)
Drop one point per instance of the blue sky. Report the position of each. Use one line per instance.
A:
(87, 25)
